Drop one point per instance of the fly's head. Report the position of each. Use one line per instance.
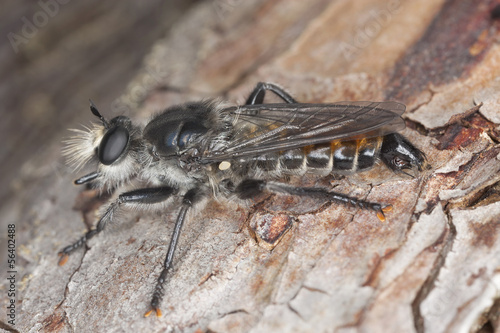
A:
(112, 145)
(401, 156)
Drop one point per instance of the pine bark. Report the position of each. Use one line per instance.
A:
(432, 266)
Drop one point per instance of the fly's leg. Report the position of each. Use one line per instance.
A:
(140, 196)
(188, 201)
(87, 178)
(257, 95)
(251, 187)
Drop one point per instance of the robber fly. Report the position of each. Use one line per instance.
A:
(200, 149)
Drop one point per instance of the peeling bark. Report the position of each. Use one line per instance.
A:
(295, 264)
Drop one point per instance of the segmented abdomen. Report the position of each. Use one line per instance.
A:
(337, 157)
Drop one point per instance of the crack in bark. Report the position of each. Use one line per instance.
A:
(276, 280)
(222, 315)
(291, 308)
(322, 253)
(429, 283)
(488, 195)
(66, 291)
(364, 310)
(491, 318)
(66, 320)
(418, 106)
(319, 257)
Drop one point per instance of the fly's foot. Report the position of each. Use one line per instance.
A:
(155, 302)
(64, 253)
(158, 294)
(156, 310)
(382, 210)
(63, 258)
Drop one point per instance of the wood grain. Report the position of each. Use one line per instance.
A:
(433, 266)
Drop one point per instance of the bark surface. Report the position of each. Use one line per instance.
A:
(433, 266)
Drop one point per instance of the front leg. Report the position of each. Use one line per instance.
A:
(140, 196)
(252, 187)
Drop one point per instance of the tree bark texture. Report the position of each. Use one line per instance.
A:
(432, 266)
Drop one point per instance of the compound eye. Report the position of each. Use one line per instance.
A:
(112, 145)
(400, 163)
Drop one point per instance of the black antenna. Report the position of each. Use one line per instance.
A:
(96, 113)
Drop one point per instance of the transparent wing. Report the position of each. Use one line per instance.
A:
(273, 127)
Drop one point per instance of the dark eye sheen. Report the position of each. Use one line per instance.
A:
(112, 145)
